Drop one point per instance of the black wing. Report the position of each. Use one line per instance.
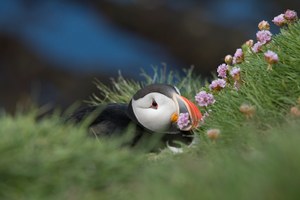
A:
(108, 120)
(113, 119)
(104, 120)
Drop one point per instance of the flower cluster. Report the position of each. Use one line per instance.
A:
(229, 73)
(222, 70)
(183, 120)
(226, 69)
(271, 58)
(238, 56)
(235, 73)
(257, 47)
(264, 36)
(279, 20)
(288, 17)
(217, 84)
(204, 99)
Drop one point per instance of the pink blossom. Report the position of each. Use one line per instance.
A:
(238, 53)
(271, 57)
(264, 36)
(183, 120)
(257, 47)
(204, 99)
(279, 20)
(217, 84)
(238, 56)
(222, 70)
(235, 73)
(290, 15)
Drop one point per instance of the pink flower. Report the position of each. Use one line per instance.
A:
(238, 56)
(264, 36)
(217, 84)
(204, 99)
(257, 47)
(222, 70)
(183, 120)
(290, 15)
(235, 73)
(271, 57)
(279, 20)
(238, 53)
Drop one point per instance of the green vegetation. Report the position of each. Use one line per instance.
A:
(254, 157)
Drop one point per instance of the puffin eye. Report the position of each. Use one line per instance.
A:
(154, 105)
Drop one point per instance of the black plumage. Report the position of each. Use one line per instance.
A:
(112, 120)
(107, 121)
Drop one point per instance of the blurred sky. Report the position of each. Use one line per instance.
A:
(99, 38)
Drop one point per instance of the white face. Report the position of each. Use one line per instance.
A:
(154, 111)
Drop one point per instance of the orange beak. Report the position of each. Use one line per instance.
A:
(186, 106)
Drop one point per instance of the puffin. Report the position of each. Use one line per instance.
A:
(153, 111)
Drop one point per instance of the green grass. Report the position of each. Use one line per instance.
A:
(257, 158)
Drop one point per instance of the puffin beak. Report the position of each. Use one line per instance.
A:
(186, 106)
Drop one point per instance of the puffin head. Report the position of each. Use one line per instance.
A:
(157, 107)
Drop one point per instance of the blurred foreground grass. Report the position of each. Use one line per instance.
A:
(257, 158)
(48, 160)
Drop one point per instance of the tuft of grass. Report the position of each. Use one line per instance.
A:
(254, 158)
(271, 92)
(123, 89)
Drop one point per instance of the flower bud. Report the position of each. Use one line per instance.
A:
(228, 59)
(264, 25)
(247, 110)
(295, 112)
(249, 43)
(213, 134)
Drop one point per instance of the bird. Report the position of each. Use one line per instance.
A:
(153, 110)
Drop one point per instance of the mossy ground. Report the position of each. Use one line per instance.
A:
(254, 158)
